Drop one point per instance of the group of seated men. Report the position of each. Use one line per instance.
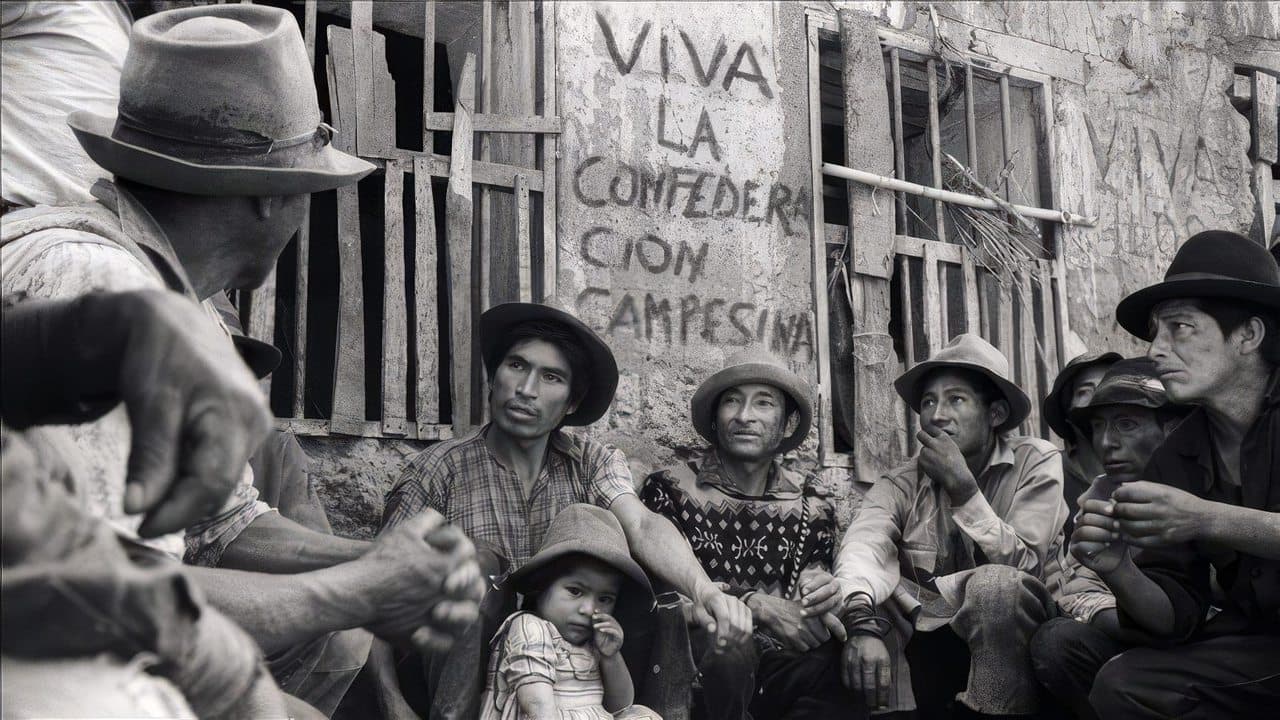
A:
(971, 581)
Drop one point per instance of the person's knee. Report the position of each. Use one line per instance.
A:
(1118, 685)
(1049, 646)
(993, 583)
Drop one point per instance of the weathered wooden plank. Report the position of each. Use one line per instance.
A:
(395, 325)
(910, 329)
(302, 278)
(1062, 324)
(869, 144)
(309, 30)
(932, 301)
(495, 122)
(524, 252)
(969, 278)
(485, 103)
(362, 41)
(1046, 336)
(458, 234)
(310, 427)
(429, 77)
(482, 173)
(262, 310)
(935, 142)
(1026, 372)
(1263, 151)
(427, 328)
(899, 152)
(550, 143)
(987, 297)
(970, 119)
(348, 414)
(1005, 323)
(1006, 134)
(823, 412)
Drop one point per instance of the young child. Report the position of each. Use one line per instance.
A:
(560, 656)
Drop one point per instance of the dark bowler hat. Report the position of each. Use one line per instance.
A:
(1128, 382)
(499, 319)
(752, 366)
(1054, 407)
(218, 100)
(1210, 264)
(969, 352)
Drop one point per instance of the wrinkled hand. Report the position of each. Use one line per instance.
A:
(784, 619)
(1096, 542)
(195, 410)
(819, 592)
(868, 669)
(724, 617)
(424, 582)
(941, 460)
(608, 634)
(1154, 515)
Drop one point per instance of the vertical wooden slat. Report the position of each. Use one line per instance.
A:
(899, 154)
(348, 385)
(550, 148)
(362, 42)
(485, 103)
(970, 123)
(1027, 356)
(1006, 134)
(427, 326)
(909, 329)
(932, 300)
(935, 145)
(969, 273)
(1045, 335)
(986, 300)
(1063, 324)
(395, 326)
(428, 76)
(524, 253)
(458, 232)
(1263, 153)
(822, 415)
(1005, 322)
(303, 240)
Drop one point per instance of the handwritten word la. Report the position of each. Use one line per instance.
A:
(744, 65)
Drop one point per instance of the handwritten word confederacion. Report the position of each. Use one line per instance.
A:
(599, 181)
(715, 321)
(602, 248)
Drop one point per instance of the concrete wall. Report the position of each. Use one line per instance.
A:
(710, 100)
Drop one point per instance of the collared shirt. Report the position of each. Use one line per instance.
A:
(62, 262)
(748, 542)
(1188, 461)
(462, 480)
(907, 529)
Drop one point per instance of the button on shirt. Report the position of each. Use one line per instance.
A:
(462, 480)
(1251, 584)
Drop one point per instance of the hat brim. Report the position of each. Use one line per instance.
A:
(629, 607)
(327, 169)
(262, 358)
(1051, 409)
(703, 405)
(908, 387)
(497, 320)
(1133, 313)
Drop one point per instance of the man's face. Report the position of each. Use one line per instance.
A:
(529, 396)
(571, 600)
(1193, 358)
(750, 419)
(951, 404)
(258, 255)
(1085, 383)
(1124, 436)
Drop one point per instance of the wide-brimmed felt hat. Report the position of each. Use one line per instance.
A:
(753, 365)
(1132, 381)
(1210, 264)
(498, 320)
(218, 100)
(582, 529)
(1053, 408)
(970, 352)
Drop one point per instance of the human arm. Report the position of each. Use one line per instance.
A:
(273, 543)
(1097, 545)
(785, 620)
(619, 693)
(1154, 515)
(867, 560)
(537, 702)
(381, 666)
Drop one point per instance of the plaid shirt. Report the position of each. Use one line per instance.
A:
(462, 480)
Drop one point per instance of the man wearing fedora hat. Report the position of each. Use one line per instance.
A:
(942, 567)
(504, 482)
(1126, 419)
(1073, 388)
(1209, 499)
(766, 530)
(215, 148)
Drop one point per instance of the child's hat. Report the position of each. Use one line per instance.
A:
(582, 529)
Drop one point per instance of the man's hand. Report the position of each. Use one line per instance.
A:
(195, 411)
(423, 581)
(1154, 515)
(724, 617)
(868, 669)
(784, 619)
(941, 461)
(608, 634)
(819, 592)
(1096, 542)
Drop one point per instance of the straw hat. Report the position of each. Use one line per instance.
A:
(969, 352)
(753, 365)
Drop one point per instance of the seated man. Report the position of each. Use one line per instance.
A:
(1072, 388)
(942, 568)
(1209, 500)
(503, 483)
(766, 531)
(1127, 418)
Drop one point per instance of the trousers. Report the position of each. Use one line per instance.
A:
(1066, 655)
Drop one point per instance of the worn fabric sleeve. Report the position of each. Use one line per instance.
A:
(868, 557)
(423, 484)
(528, 653)
(1083, 593)
(208, 539)
(609, 474)
(1036, 515)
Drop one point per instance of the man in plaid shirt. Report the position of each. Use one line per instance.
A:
(504, 482)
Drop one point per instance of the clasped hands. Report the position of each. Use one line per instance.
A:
(808, 622)
(1138, 514)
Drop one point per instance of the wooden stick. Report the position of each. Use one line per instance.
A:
(932, 301)
(899, 154)
(425, 307)
(550, 150)
(458, 218)
(429, 80)
(524, 253)
(935, 144)
(395, 327)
